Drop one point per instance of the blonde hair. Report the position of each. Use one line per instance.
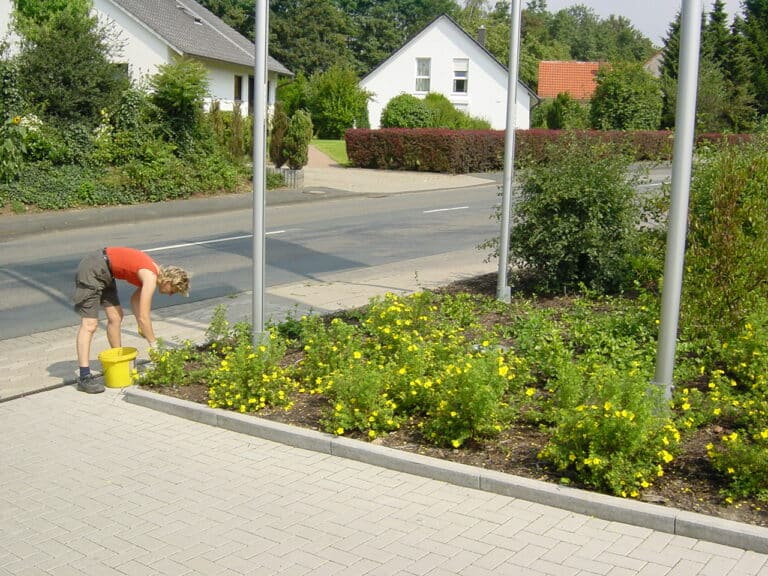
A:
(177, 277)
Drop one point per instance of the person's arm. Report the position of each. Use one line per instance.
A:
(141, 304)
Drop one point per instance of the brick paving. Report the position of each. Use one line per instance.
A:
(99, 486)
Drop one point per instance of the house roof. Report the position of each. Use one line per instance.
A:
(191, 29)
(576, 78)
(462, 31)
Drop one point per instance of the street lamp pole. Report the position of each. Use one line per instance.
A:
(259, 159)
(503, 291)
(682, 158)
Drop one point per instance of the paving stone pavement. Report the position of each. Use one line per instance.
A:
(98, 486)
(105, 485)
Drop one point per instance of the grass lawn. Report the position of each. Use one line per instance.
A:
(336, 149)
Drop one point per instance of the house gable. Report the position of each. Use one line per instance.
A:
(579, 79)
(154, 32)
(447, 47)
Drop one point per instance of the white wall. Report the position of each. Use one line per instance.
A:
(442, 42)
(5, 24)
(145, 51)
(142, 49)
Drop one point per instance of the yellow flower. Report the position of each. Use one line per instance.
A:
(456, 443)
(16, 120)
(357, 355)
(339, 431)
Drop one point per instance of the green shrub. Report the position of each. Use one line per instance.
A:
(297, 138)
(178, 92)
(576, 222)
(280, 123)
(12, 148)
(65, 67)
(250, 378)
(468, 401)
(610, 432)
(171, 366)
(10, 95)
(357, 401)
(727, 251)
(406, 111)
(336, 101)
(743, 462)
(563, 113)
(445, 115)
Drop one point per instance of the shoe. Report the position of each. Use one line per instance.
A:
(90, 385)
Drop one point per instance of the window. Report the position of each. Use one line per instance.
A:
(460, 74)
(238, 88)
(423, 66)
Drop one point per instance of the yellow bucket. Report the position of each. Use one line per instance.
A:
(117, 364)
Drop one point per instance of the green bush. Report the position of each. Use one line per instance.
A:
(64, 67)
(576, 221)
(178, 92)
(249, 378)
(280, 123)
(297, 138)
(627, 97)
(406, 111)
(445, 115)
(10, 95)
(336, 102)
(562, 113)
(610, 431)
(727, 251)
(12, 148)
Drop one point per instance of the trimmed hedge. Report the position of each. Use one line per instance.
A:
(463, 151)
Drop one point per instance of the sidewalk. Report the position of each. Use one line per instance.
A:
(133, 483)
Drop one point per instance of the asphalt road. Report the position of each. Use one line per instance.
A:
(302, 240)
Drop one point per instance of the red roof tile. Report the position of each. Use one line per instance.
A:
(576, 78)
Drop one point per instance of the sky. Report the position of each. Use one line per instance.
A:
(651, 17)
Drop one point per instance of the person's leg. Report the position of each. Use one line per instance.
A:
(86, 381)
(84, 338)
(114, 320)
(91, 278)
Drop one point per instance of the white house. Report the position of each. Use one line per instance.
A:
(443, 58)
(154, 32)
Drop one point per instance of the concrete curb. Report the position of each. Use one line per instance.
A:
(610, 508)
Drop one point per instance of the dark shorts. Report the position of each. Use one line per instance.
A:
(94, 286)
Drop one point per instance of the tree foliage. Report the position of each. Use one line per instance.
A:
(725, 95)
(336, 102)
(755, 31)
(309, 36)
(64, 69)
(626, 98)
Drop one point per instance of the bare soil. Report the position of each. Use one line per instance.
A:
(689, 482)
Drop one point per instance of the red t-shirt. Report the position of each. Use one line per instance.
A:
(126, 263)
